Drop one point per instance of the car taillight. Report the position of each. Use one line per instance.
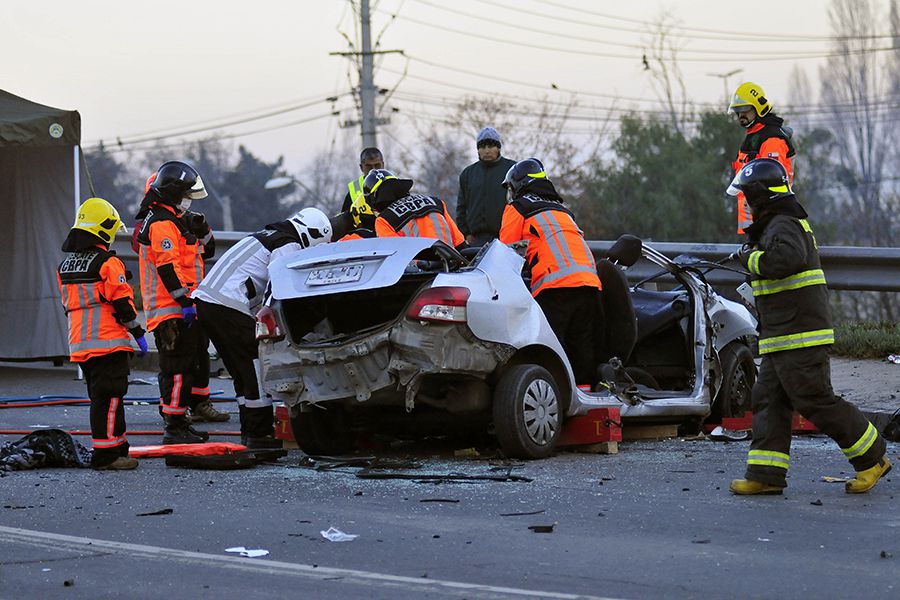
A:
(267, 325)
(441, 304)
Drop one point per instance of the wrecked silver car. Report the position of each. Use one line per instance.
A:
(381, 331)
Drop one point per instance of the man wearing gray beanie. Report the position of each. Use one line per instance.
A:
(482, 198)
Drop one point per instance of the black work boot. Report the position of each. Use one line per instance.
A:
(199, 433)
(178, 431)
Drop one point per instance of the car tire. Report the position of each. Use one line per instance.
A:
(323, 431)
(527, 412)
(738, 377)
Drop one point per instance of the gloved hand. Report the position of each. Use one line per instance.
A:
(142, 344)
(741, 255)
(189, 314)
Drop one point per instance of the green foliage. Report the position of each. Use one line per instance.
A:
(857, 339)
(662, 185)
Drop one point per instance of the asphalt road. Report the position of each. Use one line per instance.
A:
(654, 521)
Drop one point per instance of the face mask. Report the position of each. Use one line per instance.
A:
(185, 204)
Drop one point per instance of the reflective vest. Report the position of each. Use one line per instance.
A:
(763, 140)
(557, 253)
(355, 188)
(239, 277)
(89, 281)
(418, 216)
(165, 239)
(789, 287)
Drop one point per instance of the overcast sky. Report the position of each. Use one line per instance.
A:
(146, 68)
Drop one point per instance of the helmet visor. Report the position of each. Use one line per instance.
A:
(197, 191)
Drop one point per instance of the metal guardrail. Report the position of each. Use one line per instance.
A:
(846, 267)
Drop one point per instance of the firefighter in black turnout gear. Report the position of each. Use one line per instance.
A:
(794, 334)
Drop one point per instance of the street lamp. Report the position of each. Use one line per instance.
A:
(277, 183)
(724, 77)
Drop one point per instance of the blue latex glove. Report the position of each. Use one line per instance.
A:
(142, 344)
(189, 314)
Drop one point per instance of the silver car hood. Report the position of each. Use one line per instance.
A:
(379, 263)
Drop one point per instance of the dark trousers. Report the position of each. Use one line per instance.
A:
(571, 313)
(234, 335)
(183, 365)
(106, 377)
(801, 380)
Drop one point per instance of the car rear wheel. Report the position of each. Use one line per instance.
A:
(527, 412)
(324, 431)
(738, 377)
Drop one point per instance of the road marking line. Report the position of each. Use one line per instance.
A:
(58, 541)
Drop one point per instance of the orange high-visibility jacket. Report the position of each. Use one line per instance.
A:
(764, 140)
(89, 282)
(418, 216)
(557, 253)
(165, 239)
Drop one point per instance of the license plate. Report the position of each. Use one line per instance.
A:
(332, 275)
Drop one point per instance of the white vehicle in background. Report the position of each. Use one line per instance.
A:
(406, 332)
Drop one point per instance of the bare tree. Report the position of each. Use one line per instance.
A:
(856, 84)
(860, 85)
(444, 145)
(661, 62)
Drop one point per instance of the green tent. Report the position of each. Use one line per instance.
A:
(41, 175)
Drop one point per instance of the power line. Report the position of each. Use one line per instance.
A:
(592, 40)
(520, 43)
(796, 110)
(878, 101)
(287, 104)
(730, 34)
(138, 140)
(227, 136)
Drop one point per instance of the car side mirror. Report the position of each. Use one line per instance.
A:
(626, 251)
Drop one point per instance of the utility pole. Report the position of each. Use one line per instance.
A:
(366, 80)
(724, 77)
(368, 122)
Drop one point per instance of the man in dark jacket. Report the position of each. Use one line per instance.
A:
(482, 198)
(794, 333)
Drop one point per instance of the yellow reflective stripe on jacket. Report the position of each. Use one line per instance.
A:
(863, 444)
(804, 339)
(753, 261)
(768, 458)
(761, 287)
(805, 225)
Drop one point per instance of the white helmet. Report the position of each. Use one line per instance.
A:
(313, 227)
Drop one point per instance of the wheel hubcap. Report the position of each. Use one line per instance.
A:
(541, 412)
(740, 390)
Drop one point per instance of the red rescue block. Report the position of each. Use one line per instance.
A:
(598, 425)
(283, 430)
(798, 424)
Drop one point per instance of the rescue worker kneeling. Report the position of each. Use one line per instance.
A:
(228, 299)
(794, 333)
(401, 214)
(564, 278)
(99, 306)
(171, 265)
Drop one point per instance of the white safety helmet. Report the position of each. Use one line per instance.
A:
(313, 227)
